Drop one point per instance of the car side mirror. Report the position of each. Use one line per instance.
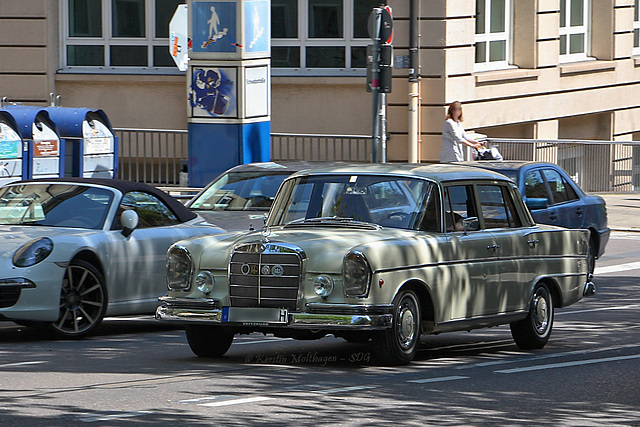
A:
(129, 220)
(537, 203)
(470, 224)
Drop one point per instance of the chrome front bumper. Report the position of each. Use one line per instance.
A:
(334, 316)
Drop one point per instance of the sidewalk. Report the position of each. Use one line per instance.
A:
(623, 211)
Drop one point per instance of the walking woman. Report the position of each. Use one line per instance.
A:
(454, 136)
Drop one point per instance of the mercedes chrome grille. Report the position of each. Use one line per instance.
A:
(265, 275)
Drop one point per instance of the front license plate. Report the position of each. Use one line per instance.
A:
(257, 316)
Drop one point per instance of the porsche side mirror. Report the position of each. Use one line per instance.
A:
(129, 220)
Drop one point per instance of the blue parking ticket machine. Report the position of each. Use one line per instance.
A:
(229, 86)
(42, 153)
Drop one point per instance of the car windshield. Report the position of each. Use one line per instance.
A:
(241, 191)
(350, 200)
(55, 205)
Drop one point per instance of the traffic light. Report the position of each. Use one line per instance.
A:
(386, 68)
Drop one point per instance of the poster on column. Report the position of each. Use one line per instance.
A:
(213, 92)
(256, 26)
(214, 27)
(256, 92)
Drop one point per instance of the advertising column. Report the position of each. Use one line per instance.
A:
(229, 88)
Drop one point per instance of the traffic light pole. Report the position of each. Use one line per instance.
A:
(375, 87)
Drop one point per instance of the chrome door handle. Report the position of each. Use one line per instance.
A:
(493, 247)
(533, 243)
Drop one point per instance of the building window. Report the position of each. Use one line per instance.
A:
(636, 27)
(574, 30)
(117, 35)
(493, 34)
(320, 37)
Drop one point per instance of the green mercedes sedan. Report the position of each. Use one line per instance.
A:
(383, 253)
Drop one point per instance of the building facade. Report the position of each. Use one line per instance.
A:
(566, 69)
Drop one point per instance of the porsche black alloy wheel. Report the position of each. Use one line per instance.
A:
(83, 301)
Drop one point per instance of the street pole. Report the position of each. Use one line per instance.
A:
(375, 87)
(414, 85)
(383, 127)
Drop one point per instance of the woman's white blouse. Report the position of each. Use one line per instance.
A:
(453, 136)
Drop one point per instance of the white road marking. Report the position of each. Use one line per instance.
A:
(472, 346)
(616, 268)
(237, 401)
(202, 399)
(262, 341)
(568, 364)
(343, 389)
(547, 356)
(35, 362)
(618, 307)
(437, 380)
(88, 418)
(129, 318)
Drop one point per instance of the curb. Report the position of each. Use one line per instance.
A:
(625, 230)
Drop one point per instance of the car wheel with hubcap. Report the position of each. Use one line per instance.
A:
(534, 331)
(398, 345)
(83, 300)
(209, 341)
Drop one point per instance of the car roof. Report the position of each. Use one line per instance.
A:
(183, 214)
(503, 165)
(289, 166)
(435, 172)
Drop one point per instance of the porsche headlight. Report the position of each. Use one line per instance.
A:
(33, 252)
(357, 275)
(205, 282)
(179, 268)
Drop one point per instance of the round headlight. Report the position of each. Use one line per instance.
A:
(323, 286)
(357, 275)
(205, 282)
(179, 268)
(33, 252)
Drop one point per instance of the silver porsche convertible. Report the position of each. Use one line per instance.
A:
(75, 250)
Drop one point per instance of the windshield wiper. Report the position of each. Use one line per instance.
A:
(333, 221)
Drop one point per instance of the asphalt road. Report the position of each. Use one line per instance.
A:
(138, 371)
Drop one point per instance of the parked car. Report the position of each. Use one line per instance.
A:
(75, 250)
(555, 199)
(387, 252)
(240, 198)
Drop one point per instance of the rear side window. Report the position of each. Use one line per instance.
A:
(493, 206)
(498, 208)
(561, 191)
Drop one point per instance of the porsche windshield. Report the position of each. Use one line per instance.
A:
(349, 200)
(241, 191)
(55, 205)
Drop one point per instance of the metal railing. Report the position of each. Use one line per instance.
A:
(347, 148)
(158, 156)
(596, 166)
(153, 156)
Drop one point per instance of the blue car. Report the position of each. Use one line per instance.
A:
(554, 198)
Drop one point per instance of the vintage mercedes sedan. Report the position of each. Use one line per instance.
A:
(380, 252)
